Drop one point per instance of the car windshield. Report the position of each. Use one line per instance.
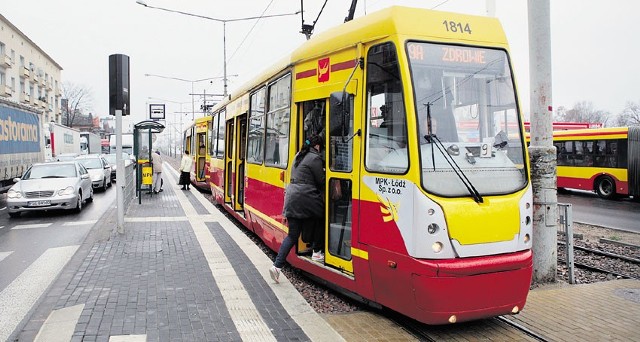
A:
(111, 158)
(66, 158)
(91, 163)
(51, 171)
(467, 111)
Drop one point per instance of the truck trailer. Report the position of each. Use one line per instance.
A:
(90, 143)
(64, 140)
(21, 141)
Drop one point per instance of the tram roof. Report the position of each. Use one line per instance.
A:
(415, 23)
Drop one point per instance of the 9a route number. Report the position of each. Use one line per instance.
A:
(456, 26)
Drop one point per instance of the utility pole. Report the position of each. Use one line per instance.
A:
(541, 150)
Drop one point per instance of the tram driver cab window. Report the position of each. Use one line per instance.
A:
(386, 144)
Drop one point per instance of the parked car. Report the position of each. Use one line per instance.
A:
(111, 158)
(66, 156)
(98, 168)
(47, 186)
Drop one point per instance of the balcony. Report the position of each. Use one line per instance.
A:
(26, 73)
(35, 78)
(5, 90)
(6, 61)
(43, 81)
(26, 98)
(49, 86)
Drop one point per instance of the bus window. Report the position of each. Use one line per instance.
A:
(386, 143)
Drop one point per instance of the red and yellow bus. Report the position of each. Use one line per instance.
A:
(425, 219)
(605, 160)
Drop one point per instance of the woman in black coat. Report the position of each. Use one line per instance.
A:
(304, 203)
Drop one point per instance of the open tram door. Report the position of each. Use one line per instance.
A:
(342, 180)
(200, 152)
(235, 151)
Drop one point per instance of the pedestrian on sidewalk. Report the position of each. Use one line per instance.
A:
(185, 170)
(157, 172)
(304, 203)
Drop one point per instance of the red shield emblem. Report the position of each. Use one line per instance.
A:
(323, 69)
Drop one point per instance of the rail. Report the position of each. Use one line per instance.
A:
(566, 226)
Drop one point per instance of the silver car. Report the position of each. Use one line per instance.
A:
(47, 186)
(98, 168)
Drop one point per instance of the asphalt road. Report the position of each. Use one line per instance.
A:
(622, 214)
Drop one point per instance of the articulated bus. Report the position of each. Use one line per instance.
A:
(428, 199)
(605, 160)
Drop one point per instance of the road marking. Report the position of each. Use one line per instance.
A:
(80, 223)
(244, 314)
(60, 324)
(302, 313)
(17, 299)
(31, 226)
(128, 338)
(4, 255)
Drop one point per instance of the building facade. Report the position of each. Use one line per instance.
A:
(28, 75)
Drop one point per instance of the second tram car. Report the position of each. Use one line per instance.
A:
(428, 199)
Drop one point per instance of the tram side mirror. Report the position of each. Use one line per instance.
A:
(339, 113)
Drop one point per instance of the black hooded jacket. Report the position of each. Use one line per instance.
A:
(304, 195)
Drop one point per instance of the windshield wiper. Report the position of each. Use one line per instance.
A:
(53, 177)
(433, 140)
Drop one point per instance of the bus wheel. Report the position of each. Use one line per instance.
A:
(606, 187)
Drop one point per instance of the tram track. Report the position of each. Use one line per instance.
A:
(597, 260)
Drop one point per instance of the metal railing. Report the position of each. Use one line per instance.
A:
(566, 231)
(129, 192)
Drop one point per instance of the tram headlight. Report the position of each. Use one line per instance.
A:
(431, 212)
(433, 228)
(527, 238)
(437, 247)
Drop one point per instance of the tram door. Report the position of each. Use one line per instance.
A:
(236, 142)
(338, 154)
(200, 153)
(342, 182)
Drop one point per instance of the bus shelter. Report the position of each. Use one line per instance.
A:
(143, 137)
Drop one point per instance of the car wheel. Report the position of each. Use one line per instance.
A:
(606, 187)
(90, 198)
(79, 204)
(14, 215)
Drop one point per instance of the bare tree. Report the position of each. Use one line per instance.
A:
(78, 100)
(583, 112)
(630, 115)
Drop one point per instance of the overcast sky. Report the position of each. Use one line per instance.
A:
(594, 44)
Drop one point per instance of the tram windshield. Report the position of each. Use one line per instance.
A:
(469, 126)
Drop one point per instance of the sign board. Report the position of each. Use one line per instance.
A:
(147, 175)
(156, 111)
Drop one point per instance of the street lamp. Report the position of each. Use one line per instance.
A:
(224, 30)
(193, 106)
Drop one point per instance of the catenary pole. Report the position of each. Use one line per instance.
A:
(541, 149)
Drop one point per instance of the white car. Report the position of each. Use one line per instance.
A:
(47, 186)
(99, 169)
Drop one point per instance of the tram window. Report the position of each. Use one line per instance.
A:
(277, 139)
(386, 139)
(220, 135)
(255, 140)
(340, 220)
(340, 151)
(211, 134)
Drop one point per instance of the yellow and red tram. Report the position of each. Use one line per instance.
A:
(428, 197)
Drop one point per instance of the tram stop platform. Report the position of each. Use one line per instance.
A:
(183, 272)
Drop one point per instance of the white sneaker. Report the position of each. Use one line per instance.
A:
(317, 256)
(274, 272)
